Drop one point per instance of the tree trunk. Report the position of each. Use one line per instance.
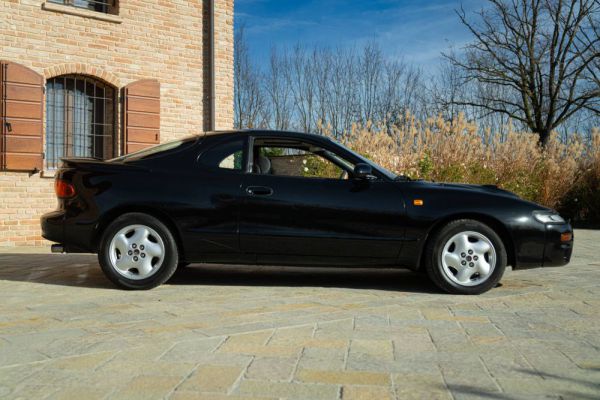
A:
(544, 135)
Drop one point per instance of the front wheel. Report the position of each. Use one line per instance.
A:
(465, 257)
(137, 251)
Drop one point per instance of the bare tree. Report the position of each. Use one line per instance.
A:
(531, 63)
(248, 99)
(320, 70)
(278, 91)
(301, 83)
(342, 104)
(370, 69)
(414, 92)
(447, 89)
(390, 105)
(544, 56)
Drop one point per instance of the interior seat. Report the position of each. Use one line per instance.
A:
(262, 165)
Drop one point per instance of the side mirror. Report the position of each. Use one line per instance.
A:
(362, 171)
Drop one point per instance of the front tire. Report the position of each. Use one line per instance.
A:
(137, 251)
(465, 257)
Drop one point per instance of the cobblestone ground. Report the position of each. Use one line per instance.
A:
(223, 332)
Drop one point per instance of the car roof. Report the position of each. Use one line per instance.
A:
(264, 132)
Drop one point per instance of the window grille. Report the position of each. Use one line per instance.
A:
(105, 6)
(80, 119)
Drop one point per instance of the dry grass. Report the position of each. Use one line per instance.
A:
(456, 152)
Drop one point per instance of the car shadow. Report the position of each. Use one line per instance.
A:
(561, 386)
(82, 270)
(351, 278)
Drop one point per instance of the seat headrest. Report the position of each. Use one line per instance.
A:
(264, 164)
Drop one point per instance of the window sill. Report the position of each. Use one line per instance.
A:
(48, 173)
(81, 12)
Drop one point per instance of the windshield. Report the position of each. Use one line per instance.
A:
(387, 173)
(151, 151)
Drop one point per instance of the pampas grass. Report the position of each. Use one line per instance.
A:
(456, 151)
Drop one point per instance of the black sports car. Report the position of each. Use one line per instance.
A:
(281, 198)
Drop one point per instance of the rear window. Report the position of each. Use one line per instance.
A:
(226, 156)
(158, 150)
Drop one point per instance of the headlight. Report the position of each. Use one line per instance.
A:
(548, 217)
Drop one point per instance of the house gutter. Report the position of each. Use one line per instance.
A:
(212, 94)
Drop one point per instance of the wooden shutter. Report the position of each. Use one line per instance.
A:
(141, 115)
(21, 113)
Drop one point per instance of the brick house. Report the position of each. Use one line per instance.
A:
(100, 78)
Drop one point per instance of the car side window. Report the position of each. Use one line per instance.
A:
(225, 156)
(290, 161)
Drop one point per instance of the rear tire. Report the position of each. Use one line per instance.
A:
(465, 257)
(137, 251)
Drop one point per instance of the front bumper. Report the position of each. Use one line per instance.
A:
(557, 252)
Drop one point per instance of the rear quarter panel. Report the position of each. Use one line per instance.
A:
(199, 207)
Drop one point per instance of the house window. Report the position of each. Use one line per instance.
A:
(80, 119)
(105, 6)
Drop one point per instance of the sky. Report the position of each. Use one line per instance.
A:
(412, 30)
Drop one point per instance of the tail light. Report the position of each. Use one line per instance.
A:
(63, 189)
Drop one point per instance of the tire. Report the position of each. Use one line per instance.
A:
(137, 251)
(465, 257)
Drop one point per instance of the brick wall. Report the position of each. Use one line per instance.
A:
(24, 199)
(224, 63)
(148, 39)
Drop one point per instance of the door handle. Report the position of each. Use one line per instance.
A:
(259, 191)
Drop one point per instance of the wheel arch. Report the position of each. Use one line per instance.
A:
(115, 213)
(492, 222)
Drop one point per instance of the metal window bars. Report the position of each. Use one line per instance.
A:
(80, 119)
(105, 6)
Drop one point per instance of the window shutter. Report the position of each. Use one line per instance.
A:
(141, 115)
(21, 113)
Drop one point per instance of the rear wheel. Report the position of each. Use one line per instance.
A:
(137, 251)
(465, 257)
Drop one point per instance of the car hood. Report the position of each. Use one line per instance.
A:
(467, 188)
(479, 188)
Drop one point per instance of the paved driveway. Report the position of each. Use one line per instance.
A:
(230, 332)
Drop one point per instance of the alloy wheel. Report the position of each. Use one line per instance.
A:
(468, 258)
(136, 252)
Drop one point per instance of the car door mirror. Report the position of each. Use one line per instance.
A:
(362, 171)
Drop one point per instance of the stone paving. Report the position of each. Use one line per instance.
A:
(222, 332)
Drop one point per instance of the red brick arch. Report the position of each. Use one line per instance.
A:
(82, 69)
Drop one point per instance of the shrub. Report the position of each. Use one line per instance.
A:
(582, 201)
(564, 172)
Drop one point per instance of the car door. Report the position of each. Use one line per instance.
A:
(314, 219)
(210, 221)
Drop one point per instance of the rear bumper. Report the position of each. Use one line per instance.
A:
(73, 235)
(556, 251)
(53, 226)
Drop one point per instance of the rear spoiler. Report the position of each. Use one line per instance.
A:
(96, 164)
